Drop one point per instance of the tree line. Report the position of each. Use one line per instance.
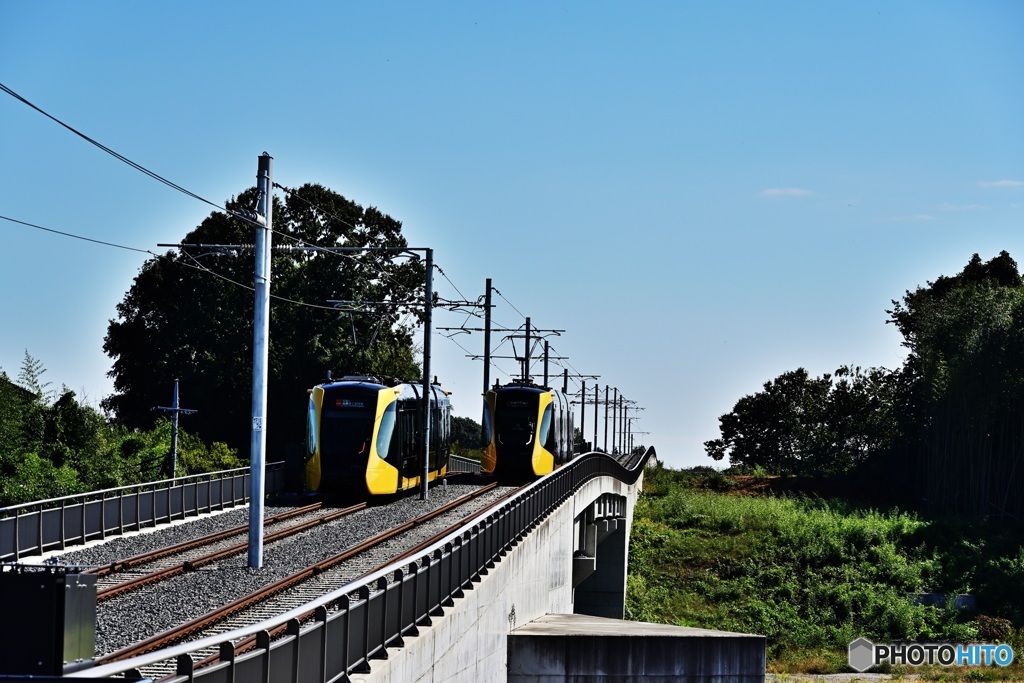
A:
(949, 423)
(52, 445)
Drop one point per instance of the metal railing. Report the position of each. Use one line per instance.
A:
(355, 624)
(458, 465)
(54, 524)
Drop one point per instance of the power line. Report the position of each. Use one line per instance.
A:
(195, 265)
(77, 237)
(119, 157)
(509, 302)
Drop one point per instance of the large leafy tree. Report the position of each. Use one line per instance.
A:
(775, 428)
(965, 341)
(809, 425)
(189, 316)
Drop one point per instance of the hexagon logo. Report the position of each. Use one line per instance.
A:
(861, 654)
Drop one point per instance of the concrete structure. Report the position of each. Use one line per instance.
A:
(508, 627)
(564, 648)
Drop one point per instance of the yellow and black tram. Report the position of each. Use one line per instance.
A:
(364, 436)
(528, 431)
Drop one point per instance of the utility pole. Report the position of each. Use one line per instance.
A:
(261, 334)
(615, 414)
(546, 353)
(583, 413)
(174, 427)
(487, 359)
(526, 353)
(428, 295)
(605, 418)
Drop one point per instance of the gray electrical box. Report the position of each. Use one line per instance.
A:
(49, 622)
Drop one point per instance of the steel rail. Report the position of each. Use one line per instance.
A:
(195, 563)
(143, 558)
(191, 628)
(246, 644)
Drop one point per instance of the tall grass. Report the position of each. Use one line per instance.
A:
(810, 574)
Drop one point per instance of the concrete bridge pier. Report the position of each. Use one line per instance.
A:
(600, 561)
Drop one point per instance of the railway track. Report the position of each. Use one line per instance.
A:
(302, 586)
(160, 565)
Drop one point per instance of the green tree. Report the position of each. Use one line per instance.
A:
(15, 403)
(965, 395)
(810, 426)
(31, 377)
(775, 428)
(187, 317)
(75, 437)
(467, 437)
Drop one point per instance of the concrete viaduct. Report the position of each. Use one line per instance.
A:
(534, 593)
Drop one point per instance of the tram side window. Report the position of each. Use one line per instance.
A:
(311, 430)
(547, 435)
(385, 431)
(488, 432)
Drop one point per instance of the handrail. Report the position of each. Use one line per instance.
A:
(33, 528)
(5, 511)
(440, 574)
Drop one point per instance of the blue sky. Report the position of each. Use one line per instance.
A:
(702, 195)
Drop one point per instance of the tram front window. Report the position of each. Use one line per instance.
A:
(347, 429)
(515, 425)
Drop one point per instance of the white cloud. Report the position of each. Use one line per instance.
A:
(785, 192)
(963, 207)
(914, 218)
(1013, 184)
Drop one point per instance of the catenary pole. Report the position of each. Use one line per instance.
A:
(428, 296)
(615, 414)
(583, 413)
(261, 333)
(546, 353)
(487, 359)
(526, 361)
(606, 418)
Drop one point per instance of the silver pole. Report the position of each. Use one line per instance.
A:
(487, 358)
(428, 298)
(606, 418)
(546, 354)
(615, 414)
(583, 412)
(261, 339)
(526, 361)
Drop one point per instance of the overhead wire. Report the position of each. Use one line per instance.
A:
(156, 176)
(195, 265)
(77, 237)
(116, 155)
